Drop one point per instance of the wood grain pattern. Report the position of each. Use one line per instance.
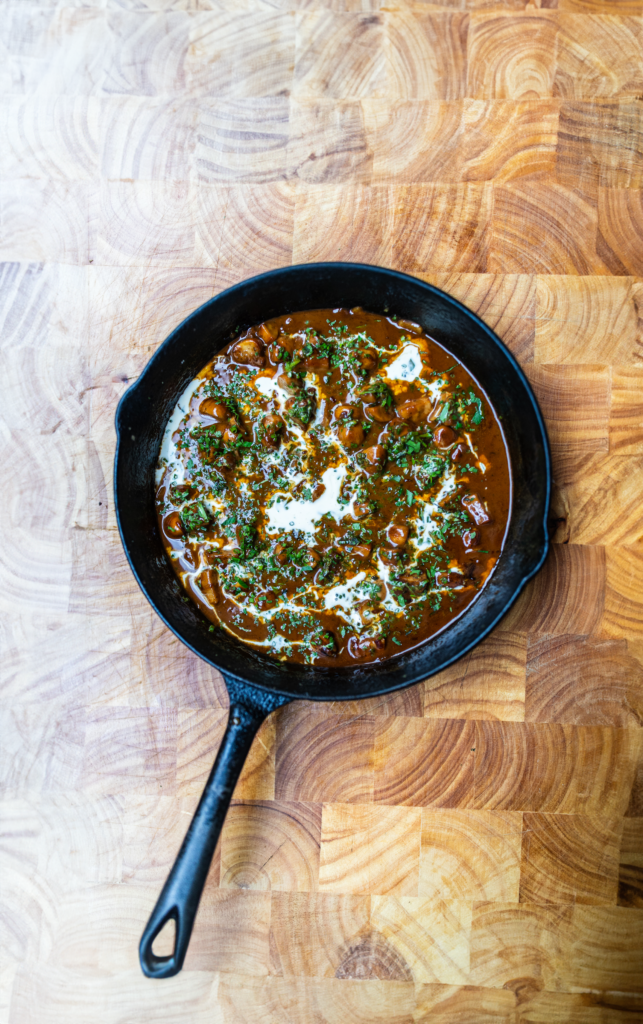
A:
(469, 850)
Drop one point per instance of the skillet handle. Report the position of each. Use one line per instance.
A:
(179, 899)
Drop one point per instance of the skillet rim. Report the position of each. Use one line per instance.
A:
(543, 546)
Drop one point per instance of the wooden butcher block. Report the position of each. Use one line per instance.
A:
(469, 851)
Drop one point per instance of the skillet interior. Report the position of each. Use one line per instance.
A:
(146, 406)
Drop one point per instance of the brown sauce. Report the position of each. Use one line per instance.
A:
(333, 488)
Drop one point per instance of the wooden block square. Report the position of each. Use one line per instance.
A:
(170, 675)
(511, 56)
(146, 52)
(231, 933)
(620, 229)
(598, 55)
(405, 703)
(96, 556)
(635, 805)
(424, 763)
(604, 950)
(600, 144)
(580, 680)
(488, 682)
(569, 858)
(543, 228)
(426, 54)
(243, 229)
(575, 400)
(368, 849)
(439, 228)
(443, 1004)
(311, 1001)
(145, 224)
(130, 750)
(562, 769)
(630, 872)
(199, 736)
(470, 855)
(318, 935)
(626, 413)
(567, 596)
(622, 7)
(271, 845)
(414, 140)
(623, 594)
(37, 61)
(511, 941)
(344, 222)
(506, 302)
(43, 750)
(262, 42)
(153, 828)
(328, 142)
(339, 55)
(241, 140)
(430, 935)
(48, 221)
(50, 136)
(147, 138)
(324, 758)
(131, 312)
(587, 320)
(504, 139)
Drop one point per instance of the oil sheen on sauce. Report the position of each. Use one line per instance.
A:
(333, 488)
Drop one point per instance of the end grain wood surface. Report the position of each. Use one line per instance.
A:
(469, 851)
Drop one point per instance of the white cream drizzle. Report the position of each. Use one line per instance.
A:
(344, 599)
(299, 514)
(431, 515)
(406, 366)
(168, 448)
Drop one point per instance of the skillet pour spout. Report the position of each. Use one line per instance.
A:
(256, 683)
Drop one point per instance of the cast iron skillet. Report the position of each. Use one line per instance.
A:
(257, 684)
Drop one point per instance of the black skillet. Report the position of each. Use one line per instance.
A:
(257, 684)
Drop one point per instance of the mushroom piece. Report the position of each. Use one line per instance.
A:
(368, 359)
(379, 413)
(206, 581)
(373, 458)
(345, 412)
(290, 383)
(269, 332)
(173, 525)
(210, 407)
(351, 434)
(281, 554)
(271, 428)
(397, 535)
(266, 600)
(324, 644)
(362, 509)
(458, 452)
(471, 538)
(444, 437)
(415, 409)
(276, 353)
(476, 509)
(311, 559)
(362, 550)
(390, 557)
(409, 325)
(249, 352)
(360, 646)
